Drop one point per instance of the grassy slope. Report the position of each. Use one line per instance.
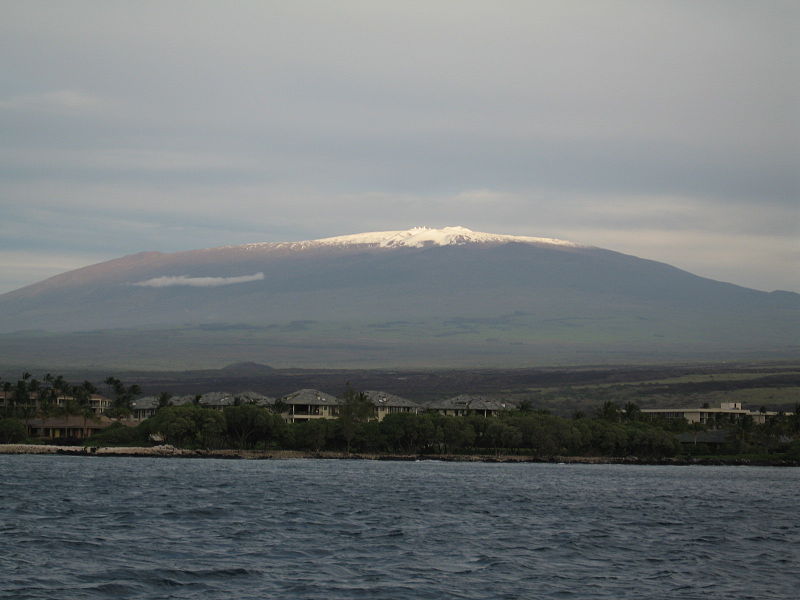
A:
(513, 340)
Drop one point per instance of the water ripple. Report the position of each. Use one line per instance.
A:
(83, 528)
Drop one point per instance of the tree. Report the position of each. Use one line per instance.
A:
(188, 426)
(525, 406)
(632, 412)
(356, 408)
(118, 434)
(502, 435)
(609, 411)
(247, 425)
(163, 399)
(456, 433)
(12, 431)
(311, 435)
(83, 397)
(279, 407)
(123, 396)
(407, 432)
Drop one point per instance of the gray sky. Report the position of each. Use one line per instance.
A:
(668, 130)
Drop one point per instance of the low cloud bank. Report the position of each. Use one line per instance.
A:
(198, 281)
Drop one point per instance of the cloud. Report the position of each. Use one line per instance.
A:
(169, 281)
(53, 101)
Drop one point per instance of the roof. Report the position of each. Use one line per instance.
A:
(741, 411)
(307, 396)
(469, 402)
(208, 399)
(144, 403)
(249, 397)
(77, 421)
(385, 399)
(217, 399)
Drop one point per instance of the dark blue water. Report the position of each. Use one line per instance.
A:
(90, 527)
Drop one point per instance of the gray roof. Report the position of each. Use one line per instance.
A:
(217, 399)
(249, 397)
(181, 400)
(469, 402)
(385, 399)
(222, 399)
(145, 403)
(307, 396)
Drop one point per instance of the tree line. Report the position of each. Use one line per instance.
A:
(250, 427)
(610, 431)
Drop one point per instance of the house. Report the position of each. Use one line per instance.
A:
(68, 427)
(467, 405)
(307, 405)
(146, 407)
(727, 413)
(96, 402)
(389, 404)
(217, 400)
(248, 397)
(99, 403)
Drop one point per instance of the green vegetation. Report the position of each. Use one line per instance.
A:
(123, 396)
(12, 431)
(613, 432)
(29, 397)
(602, 418)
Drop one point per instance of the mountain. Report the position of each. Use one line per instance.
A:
(418, 297)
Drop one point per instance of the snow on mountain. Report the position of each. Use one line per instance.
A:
(417, 237)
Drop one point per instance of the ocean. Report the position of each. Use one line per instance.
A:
(154, 528)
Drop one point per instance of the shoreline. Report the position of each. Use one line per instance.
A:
(172, 452)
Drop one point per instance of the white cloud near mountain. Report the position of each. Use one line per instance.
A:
(168, 281)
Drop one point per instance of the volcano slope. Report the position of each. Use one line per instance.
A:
(421, 298)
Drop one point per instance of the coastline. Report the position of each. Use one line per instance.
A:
(167, 451)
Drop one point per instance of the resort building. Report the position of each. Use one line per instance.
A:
(389, 404)
(467, 405)
(726, 414)
(307, 405)
(146, 407)
(68, 427)
(96, 402)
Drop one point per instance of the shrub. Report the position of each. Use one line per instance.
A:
(117, 434)
(12, 431)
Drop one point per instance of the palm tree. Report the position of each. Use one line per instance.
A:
(122, 395)
(83, 394)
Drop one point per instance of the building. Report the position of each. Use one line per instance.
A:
(96, 402)
(467, 405)
(308, 405)
(146, 407)
(67, 427)
(389, 404)
(727, 413)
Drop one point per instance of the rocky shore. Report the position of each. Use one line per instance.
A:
(166, 451)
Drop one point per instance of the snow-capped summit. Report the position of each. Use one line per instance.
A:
(416, 237)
